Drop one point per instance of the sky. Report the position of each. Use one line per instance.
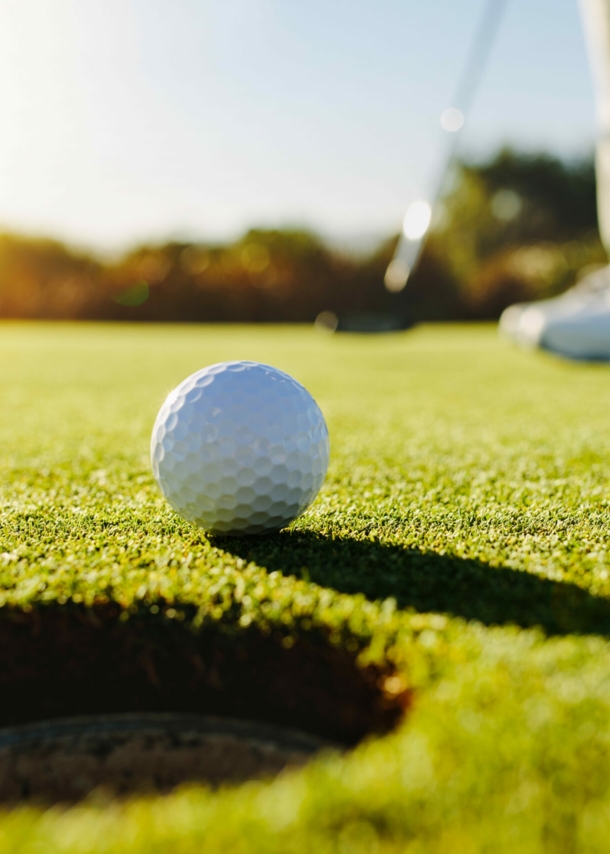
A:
(127, 121)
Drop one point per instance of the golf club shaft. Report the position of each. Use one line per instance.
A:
(409, 249)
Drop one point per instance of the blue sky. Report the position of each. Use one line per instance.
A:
(133, 120)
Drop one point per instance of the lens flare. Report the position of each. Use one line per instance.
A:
(417, 220)
(327, 321)
(396, 275)
(452, 119)
(506, 205)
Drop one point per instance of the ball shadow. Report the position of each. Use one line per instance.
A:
(428, 582)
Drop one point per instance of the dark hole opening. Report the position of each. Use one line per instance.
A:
(66, 661)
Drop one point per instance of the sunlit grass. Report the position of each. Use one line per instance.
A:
(468, 483)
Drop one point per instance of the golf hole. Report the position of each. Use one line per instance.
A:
(66, 760)
(90, 701)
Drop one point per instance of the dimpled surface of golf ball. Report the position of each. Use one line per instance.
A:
(240, 448)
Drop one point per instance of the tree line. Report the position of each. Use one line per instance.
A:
(516, 227)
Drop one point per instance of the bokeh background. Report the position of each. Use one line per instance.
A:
(252, 160)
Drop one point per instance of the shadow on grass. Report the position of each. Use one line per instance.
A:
(427, 581)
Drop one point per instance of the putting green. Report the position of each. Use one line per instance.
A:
(450, 588)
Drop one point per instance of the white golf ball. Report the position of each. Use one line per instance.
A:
(240, 448)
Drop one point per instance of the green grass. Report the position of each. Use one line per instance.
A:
(455, 564)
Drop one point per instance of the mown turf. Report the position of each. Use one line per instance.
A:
(454, 566)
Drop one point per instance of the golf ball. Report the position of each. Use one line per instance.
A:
(240, 448)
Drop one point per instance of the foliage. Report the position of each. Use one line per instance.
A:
(460, 546)
(263, 276)
(518, 227)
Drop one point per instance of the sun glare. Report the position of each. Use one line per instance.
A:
(417, 220)
(396, 275)
(452, 119)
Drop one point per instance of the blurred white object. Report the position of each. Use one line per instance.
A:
(240, 448)
(452, 119)
(580, 335)
(575, 324)
(596, 23)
